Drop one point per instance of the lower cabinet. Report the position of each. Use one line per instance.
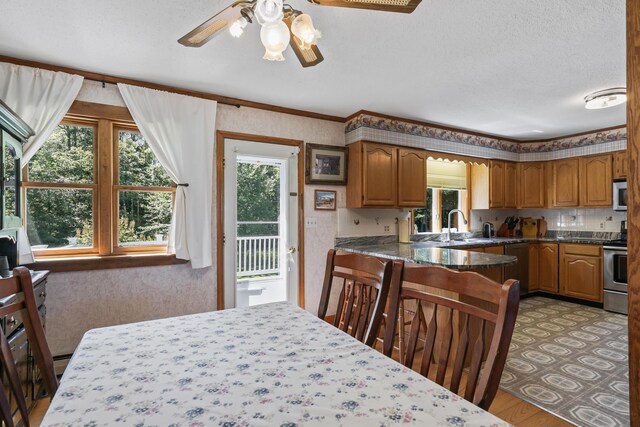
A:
(548, 267)
(496, 273)
(566, 269)
(581, 271)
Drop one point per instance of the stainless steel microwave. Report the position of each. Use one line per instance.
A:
(620, 196)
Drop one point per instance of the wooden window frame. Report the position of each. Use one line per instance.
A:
(117, 188)
(26, 184)
(105, 253)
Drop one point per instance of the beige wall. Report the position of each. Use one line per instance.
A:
(79, 301)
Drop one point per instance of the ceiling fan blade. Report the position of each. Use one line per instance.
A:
(212, 27)
(403, 6)
(308, 57)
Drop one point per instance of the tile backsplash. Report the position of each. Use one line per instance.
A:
(572, 219)
(369, 222)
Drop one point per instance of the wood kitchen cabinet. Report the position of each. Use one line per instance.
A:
(581, 271)
(620, 164)
(510, 185)
(531, 185)
(496, 184)
(386, 176)
(502, 184)
(372, 176)
(496, 273)
(565, 182)
(596, 181)
(548, 267)
(412, 178)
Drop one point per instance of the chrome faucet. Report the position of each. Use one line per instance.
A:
(449, 222)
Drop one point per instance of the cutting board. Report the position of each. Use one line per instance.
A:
(529, 227)
(542, 227)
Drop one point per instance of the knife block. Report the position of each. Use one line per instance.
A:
(504, 231)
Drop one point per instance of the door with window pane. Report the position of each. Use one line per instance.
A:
(260, 223)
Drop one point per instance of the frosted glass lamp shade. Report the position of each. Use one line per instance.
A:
(302, 27)
(275, 38)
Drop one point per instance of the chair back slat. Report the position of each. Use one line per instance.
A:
(476, 363)
(373, 281)
(465, 321)
(446, 337)
(364, 283)
(461, 354)
(21, 285)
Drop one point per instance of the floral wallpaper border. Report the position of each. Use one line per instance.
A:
(398, 126)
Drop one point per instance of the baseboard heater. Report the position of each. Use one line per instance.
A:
(60, 363)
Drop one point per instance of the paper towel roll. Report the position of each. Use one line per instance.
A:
(403, 232)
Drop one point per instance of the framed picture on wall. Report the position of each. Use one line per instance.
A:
(324, 200)
(325, 164)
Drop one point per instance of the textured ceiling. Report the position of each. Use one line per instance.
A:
(515, 68)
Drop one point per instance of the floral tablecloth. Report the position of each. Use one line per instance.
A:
(269, 365)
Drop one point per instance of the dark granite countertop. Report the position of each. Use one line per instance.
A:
(420, 253)
(481, 242)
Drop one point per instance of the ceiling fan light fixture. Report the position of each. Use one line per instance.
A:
(275, 38)
(302, 27)
(267, 11)
(237, 28)
(605, 98)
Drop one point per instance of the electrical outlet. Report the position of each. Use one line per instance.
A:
(311, 222)
(387, 229)
(602, 225)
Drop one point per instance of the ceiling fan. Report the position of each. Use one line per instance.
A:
(282, 25)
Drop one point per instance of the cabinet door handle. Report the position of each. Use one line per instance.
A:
(12, 321)
(43, 294)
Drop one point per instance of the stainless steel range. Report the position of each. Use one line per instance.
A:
(615, 274)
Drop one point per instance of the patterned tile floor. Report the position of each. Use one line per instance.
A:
(570, 360)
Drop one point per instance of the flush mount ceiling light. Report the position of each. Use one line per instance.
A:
(282, 25)
(605, 98)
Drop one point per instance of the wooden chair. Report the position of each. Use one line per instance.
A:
(20, 284)
(459, 308)
(364, 282)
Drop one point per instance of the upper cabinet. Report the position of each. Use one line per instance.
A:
(510, 185)
(496, 184)
(502, 184)
(620, 165)
(412, 178)
(531, 185)
(565, 183)
(595, 181)
(384, 176)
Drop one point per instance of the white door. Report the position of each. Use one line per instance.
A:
(260, 223)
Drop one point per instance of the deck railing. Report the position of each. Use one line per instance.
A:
(258, 256)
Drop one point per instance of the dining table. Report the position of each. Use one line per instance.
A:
(268, 365)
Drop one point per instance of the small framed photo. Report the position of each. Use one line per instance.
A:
(325, 164)
(325, 200)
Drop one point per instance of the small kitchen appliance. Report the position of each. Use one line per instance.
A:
(620, 195)
(487, 230)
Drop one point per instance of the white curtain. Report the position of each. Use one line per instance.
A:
(41, 98)
(180, 131)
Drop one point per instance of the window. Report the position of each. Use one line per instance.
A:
(446, 190)
(96, 188)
